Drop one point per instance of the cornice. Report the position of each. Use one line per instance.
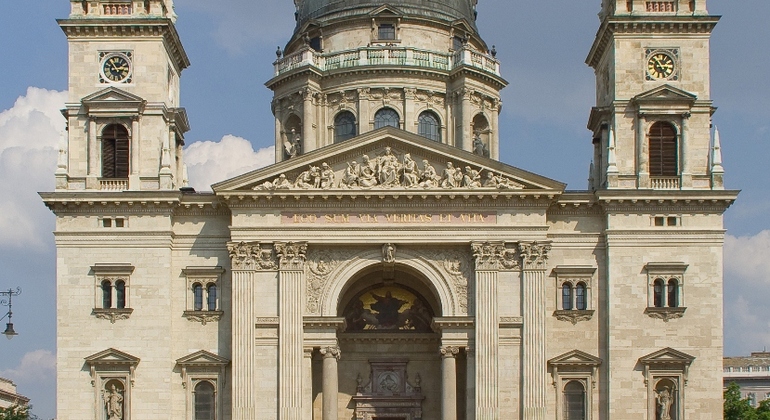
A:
(680, 201)
(142, 27)
(647, 25)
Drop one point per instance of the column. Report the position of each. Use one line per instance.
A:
(363, 111)
(487, 256)
(307, 384)
(470, 387)
(534, 370)
(278, 128)
(93, 149)
(448, 382)
(464, 136)
(330, 382)
(494, 139)
(135, 142)
(686, 159)
(644, 151)
(308, 139)
(291, 257)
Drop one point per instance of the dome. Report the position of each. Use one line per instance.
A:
(326, 10)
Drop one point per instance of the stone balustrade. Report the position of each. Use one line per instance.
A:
(664, 183)
(661, 6)
(113, 184)
(117, 9)
(387, 55)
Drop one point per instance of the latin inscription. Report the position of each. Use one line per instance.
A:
(388, 218)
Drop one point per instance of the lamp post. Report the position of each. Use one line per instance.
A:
(9, 332)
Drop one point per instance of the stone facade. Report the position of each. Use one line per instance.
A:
(751, 373)
(389, 265)
(8, 395)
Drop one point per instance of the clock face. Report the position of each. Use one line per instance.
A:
(660, 66)
(116, 68)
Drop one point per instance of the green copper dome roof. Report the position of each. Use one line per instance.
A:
(325, 10)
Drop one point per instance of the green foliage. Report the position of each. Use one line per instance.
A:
(741, 409)
(16, 413)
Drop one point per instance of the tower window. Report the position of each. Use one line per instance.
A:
(428, 126)
(344, 126)
(115, 152)
(315, 43)
(386, 117)
(386, 31)
(198, 297)
(664, 156)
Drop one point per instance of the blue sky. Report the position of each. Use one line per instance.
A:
(231, 43)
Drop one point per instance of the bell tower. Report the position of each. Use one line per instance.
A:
(652, 120)
(125, 125)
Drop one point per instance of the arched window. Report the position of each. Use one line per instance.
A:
(211, 291)
(115, 155)
(344, 126)
(574, 401)
(581, 301)
(664, 154)
(205, 406)
(106, 294)
(197, 297)
(386, 117)
(428, 126)
(566, 296)
(673, 293)
(120, 294)
(658, 293)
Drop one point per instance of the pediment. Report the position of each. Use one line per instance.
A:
(202, 358)
(665, 93)
(667, 356)
(111, 94)
(384, 160)
(575, 358)
(112, 357)
(463, 25)
(386, 10)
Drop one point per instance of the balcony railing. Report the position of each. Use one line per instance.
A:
(113, 184)
(664, 183)
(387, 56)
(661, 6)
(117, 9)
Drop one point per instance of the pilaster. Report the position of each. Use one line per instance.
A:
(488, 256)
(291, 276)
(534, 370)
(686, 159)
(308, 136)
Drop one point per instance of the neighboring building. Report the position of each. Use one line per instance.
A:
(8, 395)
(752, 374)
(389, 265)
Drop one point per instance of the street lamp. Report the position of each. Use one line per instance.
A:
(9, 332)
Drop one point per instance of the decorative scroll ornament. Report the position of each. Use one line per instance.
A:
(291, 255)
(251, 256)
(204, 317)
(321, 264)
(331, 351)
(511, 260)
(458, 268)
(113, 314)
(488, 255)
(534, 255)
(573, 316)
(449, 351)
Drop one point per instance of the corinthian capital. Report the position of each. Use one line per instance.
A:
(488, 255)
(534, 255)
(291, 255)
(251, 256)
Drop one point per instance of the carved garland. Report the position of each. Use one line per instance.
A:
(321, 264)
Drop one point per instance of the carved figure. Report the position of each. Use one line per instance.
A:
(350, 176)
(388, 168)
(280, 183)
(478, 144)
(665, 400)
(388, 383)
(472, 178)
(293, 146)
(327, 176)
(113, 401)
(491, 181)
(449, 181)
(389, 253)
(411, 172)
(429, 178)
(305, 180)
(368, 174)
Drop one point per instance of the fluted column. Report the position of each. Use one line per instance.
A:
(330, 382)
(291, 257)
(448, 382)
(534, 257)
(464, 136)
(308, 137)
(487, 256)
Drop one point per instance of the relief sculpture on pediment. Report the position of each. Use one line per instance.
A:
(391, 170)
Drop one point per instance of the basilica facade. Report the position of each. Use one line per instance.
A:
(389, 265)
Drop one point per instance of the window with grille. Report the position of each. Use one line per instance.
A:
(386, 31)
(344, 126)
(428, 126)
(205, 403)
(574, 401)
(386, 117)
(664, 153)
(115, 151)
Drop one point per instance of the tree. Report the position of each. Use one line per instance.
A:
(15, 413)
(737, 408)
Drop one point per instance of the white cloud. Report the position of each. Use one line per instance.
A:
(29, 135)
(210, 162)
(747, 291)
(36, 367)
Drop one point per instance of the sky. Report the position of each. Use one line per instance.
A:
(231, 44)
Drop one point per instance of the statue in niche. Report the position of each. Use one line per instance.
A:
(389, 253)
(293, 145)
(429, 178)
(665, 399)
(411, 172)
(113, 401)
(479, 148)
